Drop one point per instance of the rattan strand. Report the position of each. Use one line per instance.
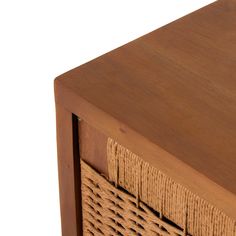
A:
(111, 211)
(172, 200)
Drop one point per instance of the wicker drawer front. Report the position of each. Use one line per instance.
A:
(136, 199)
(108, 210)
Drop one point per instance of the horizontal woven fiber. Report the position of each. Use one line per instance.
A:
(108, 210)
(194, 215)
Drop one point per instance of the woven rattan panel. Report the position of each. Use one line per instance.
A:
(173, 201)
(108, 210)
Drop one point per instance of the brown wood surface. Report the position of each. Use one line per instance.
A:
(93, 145)
(69, 172)
(170, 97)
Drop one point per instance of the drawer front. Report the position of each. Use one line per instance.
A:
(124, 195)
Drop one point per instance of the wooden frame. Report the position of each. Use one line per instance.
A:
(69, 171)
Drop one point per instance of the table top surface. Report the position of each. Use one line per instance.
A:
(176, 86)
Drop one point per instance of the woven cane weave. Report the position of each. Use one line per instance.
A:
(173, 201)
(108, 210)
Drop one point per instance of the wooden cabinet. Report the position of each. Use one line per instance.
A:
(169, 98)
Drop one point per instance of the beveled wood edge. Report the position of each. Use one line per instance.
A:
(150, 152)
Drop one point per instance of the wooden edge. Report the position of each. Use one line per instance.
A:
(69, 172)
(167, 163)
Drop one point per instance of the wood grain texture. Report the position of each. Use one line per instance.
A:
(69, 172)
(170, 97)
(93, 147)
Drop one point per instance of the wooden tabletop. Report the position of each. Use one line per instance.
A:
(170, 96)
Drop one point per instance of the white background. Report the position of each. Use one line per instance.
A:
(38, 41)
